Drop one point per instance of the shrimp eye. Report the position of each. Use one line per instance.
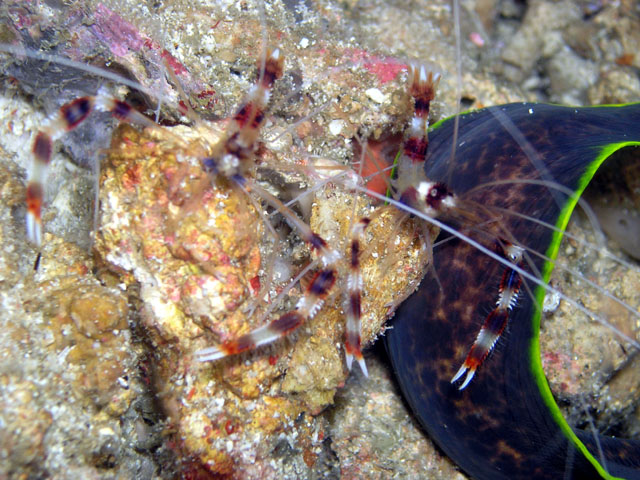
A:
(436, 194)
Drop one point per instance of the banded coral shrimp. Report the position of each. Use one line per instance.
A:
(228, 426)
(231, 427)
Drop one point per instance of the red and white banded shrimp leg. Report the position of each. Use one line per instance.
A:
(496, 321)
(68, 117)
(353, 340)
(422, 88)
(306, 308)
(232, 159)
(411, 186)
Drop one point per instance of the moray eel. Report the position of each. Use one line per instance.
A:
(506, 424)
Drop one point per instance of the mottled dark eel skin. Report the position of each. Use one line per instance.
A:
(505, 424)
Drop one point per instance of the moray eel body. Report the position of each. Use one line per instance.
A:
(505, 424)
